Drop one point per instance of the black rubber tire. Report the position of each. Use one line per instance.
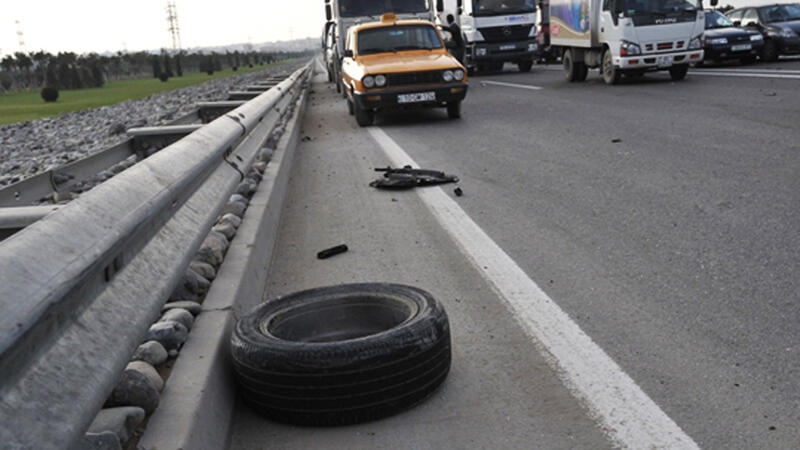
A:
(330, 75)
(338, 85)
(582, 71)
(525, 66)
(454, 110)
(350, 108)
(747, 60)
(343, 354)
(364, 117)
(496, 66)
(570, 68)
(611, 74)
(678, 72)
(770, 51)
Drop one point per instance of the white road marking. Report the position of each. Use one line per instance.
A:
(743, 70)
(743, 74)
(627, 415)
(514, 85)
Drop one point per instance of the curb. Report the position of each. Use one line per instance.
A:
(197, 403)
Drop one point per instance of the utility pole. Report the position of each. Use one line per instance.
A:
(20, 36)
(174, 30)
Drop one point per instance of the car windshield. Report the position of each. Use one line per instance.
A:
(717, 20)
(397, 38)
(780, 13)
(659, 7)
(494, 7)
(359, 8)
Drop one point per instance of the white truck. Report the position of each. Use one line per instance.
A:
(343, 14)
(494, 31)
(627, 37)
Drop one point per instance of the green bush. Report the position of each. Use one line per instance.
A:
(49, 94)
(6, 83)
(163, 77)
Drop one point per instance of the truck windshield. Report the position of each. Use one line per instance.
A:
(780, 13)
(397, 38)
(359, 8)
(660, 7)
(498, 7)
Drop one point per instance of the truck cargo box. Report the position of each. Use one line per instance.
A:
(572, 22)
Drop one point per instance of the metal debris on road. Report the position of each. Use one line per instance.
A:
(333, 251)
(406, 178)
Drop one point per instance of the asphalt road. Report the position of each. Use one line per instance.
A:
(662, 217)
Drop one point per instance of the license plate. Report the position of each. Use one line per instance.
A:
(738, 48)
(664, 61)
(508, 47)
(417, 97)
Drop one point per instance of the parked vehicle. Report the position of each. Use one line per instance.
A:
(546, 53)
(329, 50)
(395, 64)
(627, 37)
(346, 13)
(778, 24)
(723, 41)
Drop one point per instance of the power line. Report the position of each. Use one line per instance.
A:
(174, 29)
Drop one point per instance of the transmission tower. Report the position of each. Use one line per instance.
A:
(174, 30)
(20, 36)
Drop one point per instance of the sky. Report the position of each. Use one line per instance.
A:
(84, 26)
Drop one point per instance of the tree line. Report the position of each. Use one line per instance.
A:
(68, 70)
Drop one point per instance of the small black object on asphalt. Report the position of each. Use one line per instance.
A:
(616, 140)
(333, 251)
(406, 178)
(458, 192)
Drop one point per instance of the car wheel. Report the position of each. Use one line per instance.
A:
(525, 66)
(341, 355)
(454, 110)
(330, 75)
(611, 74)
(364, 117)
(770, 51)
(747, 60)
(350, 108)
(678, 72)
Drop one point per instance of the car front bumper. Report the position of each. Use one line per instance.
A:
(725, 51)
(658, 61)
(388, 98)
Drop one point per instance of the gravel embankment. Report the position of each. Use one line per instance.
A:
(28, 148)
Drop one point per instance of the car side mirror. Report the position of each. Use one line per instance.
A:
(348, 53)
(737, 23)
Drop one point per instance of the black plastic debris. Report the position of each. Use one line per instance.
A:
(406, 178)
(333, 251)
(458, 192)
(616, 140)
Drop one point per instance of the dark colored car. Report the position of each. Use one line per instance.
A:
(778, 24)
(722, 40)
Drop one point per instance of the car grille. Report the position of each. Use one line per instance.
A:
(403, 79)
(506, 33)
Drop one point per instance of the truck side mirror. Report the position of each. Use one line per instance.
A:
(328, 12)
(348, 53)
(440, 5)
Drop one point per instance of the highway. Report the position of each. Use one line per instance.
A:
(620, 253)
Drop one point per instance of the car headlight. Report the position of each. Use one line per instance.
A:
(756, 37)
(447, 75)
(480, 51)
(458, 74)
(787, 33)
(719, 41)
(368, 81)
(694, 44)
(629, 49)
(380, 80)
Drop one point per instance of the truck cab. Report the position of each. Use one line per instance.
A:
(627, 37)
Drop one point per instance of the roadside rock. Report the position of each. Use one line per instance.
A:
(134, 389)
(106, 440)
(192, 307)
(169, 334)
(232, 219)
(179, 315)
(234, 208)
(204, 269)
(226, 229)
(121, 421)
(148, 371)
(151, 352)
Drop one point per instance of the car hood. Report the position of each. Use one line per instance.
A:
(411, 61)
(791, 24)
(729, 32)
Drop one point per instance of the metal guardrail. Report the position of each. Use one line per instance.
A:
(79, 288)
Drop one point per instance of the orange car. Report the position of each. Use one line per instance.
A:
(397, 64)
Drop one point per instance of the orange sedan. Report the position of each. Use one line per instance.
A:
(395, 64)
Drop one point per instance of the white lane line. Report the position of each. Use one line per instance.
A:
(742, 70)
(627, 415)
(514, 85)
(742, 74)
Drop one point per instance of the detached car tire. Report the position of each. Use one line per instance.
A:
(341, 355)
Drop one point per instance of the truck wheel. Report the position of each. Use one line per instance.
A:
(570, 68)
(525, 66)
(364, 117)
(770, 52)
(496, 66)
(342, 354)
(610, 73)
(747, 60)
(454, 110)
(582, 71)
(678, 72)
